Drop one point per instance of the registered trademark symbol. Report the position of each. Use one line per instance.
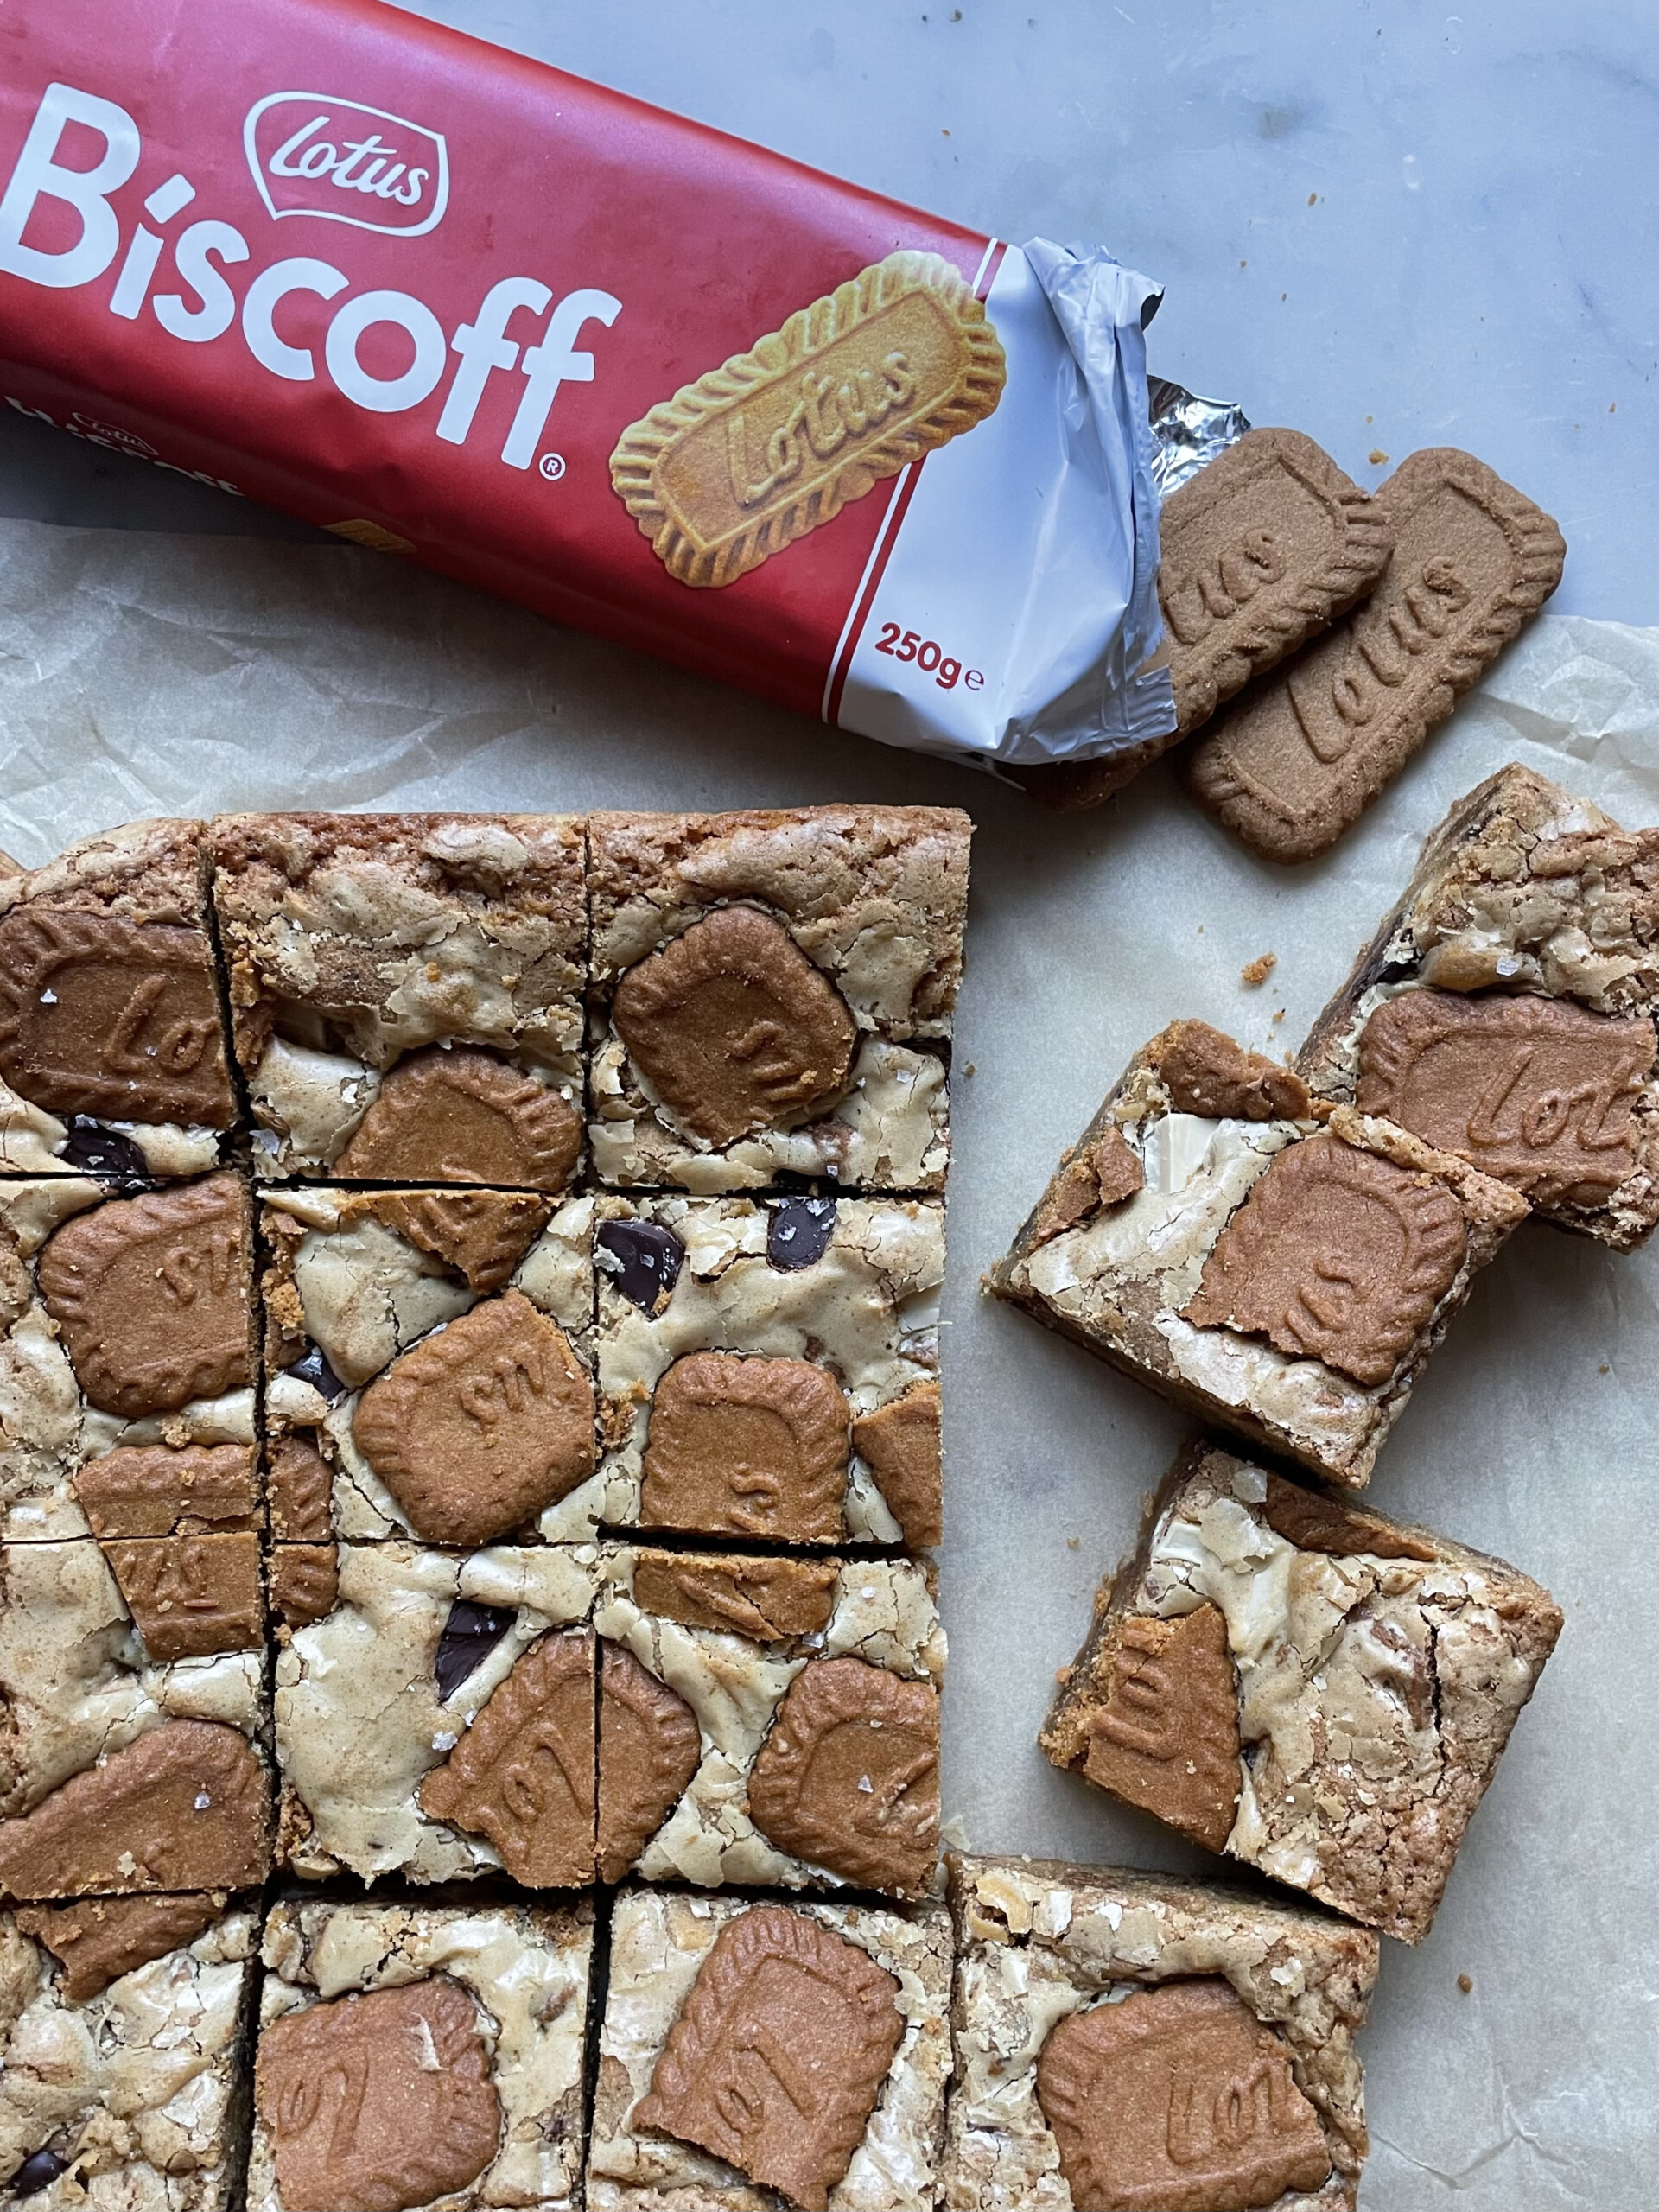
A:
(551, 466)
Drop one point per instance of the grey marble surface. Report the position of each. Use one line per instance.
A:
(1389, 225)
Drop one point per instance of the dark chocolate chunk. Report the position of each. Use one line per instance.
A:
(315, 1370)
(37, 2170)
(470, 1634)
(644, 1259)
(100, 1151)
(799, 1231)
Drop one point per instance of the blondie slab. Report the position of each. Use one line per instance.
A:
(126, 1358)
(758, 2057)
(796, 1703)
(112, 1049)
(772, 993)
(436, 1719)
(1314, 1690)
(770, 1370)
(411, 2053)
(428, 1358)
(1125, 2042)
(119, 1769)
(123, 2028)
(1283, 1270)
(1504, 1010)
(406, 993)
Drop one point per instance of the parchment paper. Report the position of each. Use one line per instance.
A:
(143, 675)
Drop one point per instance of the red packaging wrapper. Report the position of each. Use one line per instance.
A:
(643, 377)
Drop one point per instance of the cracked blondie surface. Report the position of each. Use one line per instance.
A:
(1313, 1690)
(120, 2080)
(1505, 1008)
(1074, 2087)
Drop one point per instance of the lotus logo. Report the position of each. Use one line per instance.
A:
(311, 154)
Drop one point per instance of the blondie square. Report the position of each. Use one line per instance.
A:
(428, 1363)
(774, 994)
(781, 1715)
(125, 2028)
(770, 1370)
(756, 2056)
(1314, 1690)
(1282, 1269)
(127, 1359)
(123, 1767)
(406, 993)
(437, 1720)
(1504, 1010)
(112, 1047)
(1125, 2042)
(411, 2053)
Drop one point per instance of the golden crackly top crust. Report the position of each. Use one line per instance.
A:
(876, 896)
(142, 872)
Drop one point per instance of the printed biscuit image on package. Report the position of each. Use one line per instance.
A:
(778, 441)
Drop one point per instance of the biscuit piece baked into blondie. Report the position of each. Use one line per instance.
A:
(772, 996)
(1128, 2040)
(1318, 1692)
(123, 2051)
(418, 2051)
(769, 1370)
(1504, 1010)
(113, 1055)
(1280, 1268)
(406, 993)
(762, 2055)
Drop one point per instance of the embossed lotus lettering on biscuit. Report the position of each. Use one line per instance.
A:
(482, 1234)
(1178, 2100)
(302, 1490)
(107, 1017)
(650, 1746)
(482, 1425)
(767, 1599)
(778, 2054)
(523, 1774)
(1536, 1092)
(151, 1294)
(849, 1778)
(185, 1806)
(749, 1447)
(155, 1489)
(1336, 1255)
(304, 1582)
(379, 2101)
(733, 1028)
(1165, 1735)
(190, 1595)
(462, 1115)
(778, 440)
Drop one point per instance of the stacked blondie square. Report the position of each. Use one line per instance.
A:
(470, 1451)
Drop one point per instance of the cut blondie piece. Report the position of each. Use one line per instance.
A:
(127, 1358)
(754, 2056)
(1128, 2041)
(771, 1370)
(437, 1720)
(1504, 1011)
(773, 992)
(786, 1711)
(122, 2047)
(406, 993)
(417, 2052)
(1285, 1273)
(431, 1349)
(121, 1768)
(112, 1047)
(1314, 1690)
